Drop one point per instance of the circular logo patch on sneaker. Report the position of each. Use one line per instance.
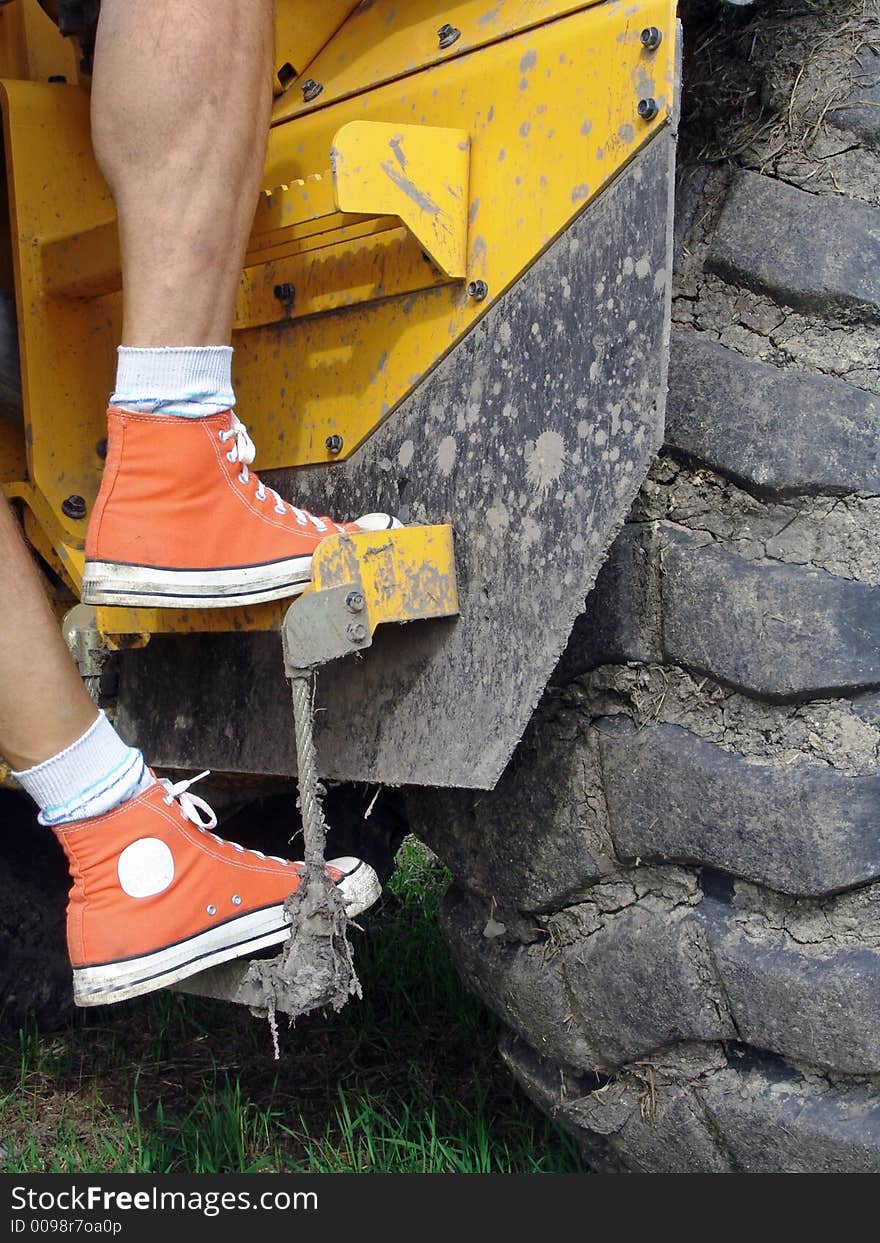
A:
(145, 868)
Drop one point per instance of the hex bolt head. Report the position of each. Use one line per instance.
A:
(648, 109)
(477, 290)
(311, 90)
(333, 444)
(448, 35)
(651, 38)
(356, 631)
(74, 507)
(355, 602)
(286, 294)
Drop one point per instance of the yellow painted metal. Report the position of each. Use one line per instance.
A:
(416, 172)
(31, 46)
(302, 28)
(386, 39)
(552, 117)
(546, 93)
(125, 628)
(67, 347)
(405, 575)
(381, 175)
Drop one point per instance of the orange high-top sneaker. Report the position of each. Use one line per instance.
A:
(157, 896)
(180, 521)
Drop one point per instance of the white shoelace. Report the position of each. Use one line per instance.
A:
(192, 806)
(244, 451)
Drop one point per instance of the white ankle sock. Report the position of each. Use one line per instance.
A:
(193, 381)
(90, 777)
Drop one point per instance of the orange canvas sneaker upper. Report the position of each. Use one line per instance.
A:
(146, 877)
(177, 493)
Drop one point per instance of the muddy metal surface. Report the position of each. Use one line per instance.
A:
(532, 439)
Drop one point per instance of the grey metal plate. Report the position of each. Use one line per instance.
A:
(532, 438)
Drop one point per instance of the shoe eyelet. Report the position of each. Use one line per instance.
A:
(212, 910)
(230, 456)
(242, 478)
(236, 900)
(279, 509)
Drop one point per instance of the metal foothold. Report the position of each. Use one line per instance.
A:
(648, 109)
(333, 444)
(74, 507)
(448, 35)
(477, 290)
(355, 602)
(356, 631)
(57, 77)
(651, 38)
(311, 90)
(101, 448)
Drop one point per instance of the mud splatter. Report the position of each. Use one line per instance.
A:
(545, 460)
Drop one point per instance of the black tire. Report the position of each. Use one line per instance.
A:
(36, 985)
(672, 898)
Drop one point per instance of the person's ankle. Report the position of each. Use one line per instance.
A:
(96, 773)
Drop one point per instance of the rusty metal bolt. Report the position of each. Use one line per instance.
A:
(477, 290)
(448, 35)
(651, 38)
(648, 109)
(356, 631)
(311, 90)
(333, 444)
(74, 507)
(355, 602)
(286, 294)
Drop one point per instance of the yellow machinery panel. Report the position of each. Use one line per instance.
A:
(416, 179)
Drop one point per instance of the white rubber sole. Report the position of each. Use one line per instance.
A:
(142, 586)
(106, 582)
(236, 938)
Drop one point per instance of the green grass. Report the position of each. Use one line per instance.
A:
(405, 1081)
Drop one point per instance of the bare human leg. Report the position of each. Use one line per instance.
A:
(180, 106)
(180, 116)
(44, 706)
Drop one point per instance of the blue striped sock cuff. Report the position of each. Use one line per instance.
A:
(192, 381)
(88, 778)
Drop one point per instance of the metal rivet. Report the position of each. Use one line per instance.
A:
(333, 444)
(356, 631)
(651, 38)
(648, 109)
(355, 602)
(212, 910)
(286, 74)
(286, 294)
(236, 900)
(74, 507)
(448, 35)
(477, 290)
(311, 90)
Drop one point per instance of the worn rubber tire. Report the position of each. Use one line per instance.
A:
(672, 898)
